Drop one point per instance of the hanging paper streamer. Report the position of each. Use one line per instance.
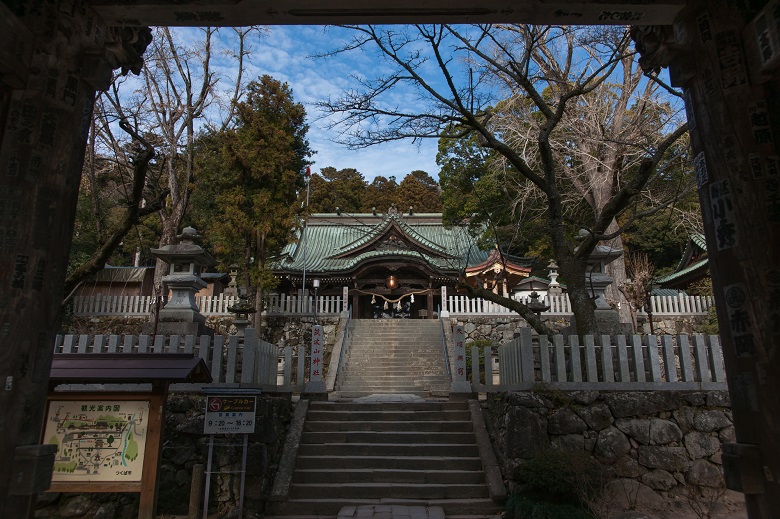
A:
(385, 305)
(398, 306)
(373, 300)
(412, 298)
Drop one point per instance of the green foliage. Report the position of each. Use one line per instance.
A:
(247, 179)
(347, 190)
(710, 325)
(473, 192)
(380, 194)
(419, 190)
(702, 287)
(562, 476)
(522, 507)
(331, 189)
(558, 397)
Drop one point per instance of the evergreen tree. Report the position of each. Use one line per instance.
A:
(420, 191)
(380, 194)
(248, 180)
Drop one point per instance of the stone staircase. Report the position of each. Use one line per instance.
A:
(394, 356)
(421, 455)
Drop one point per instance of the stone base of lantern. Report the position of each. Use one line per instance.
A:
(182, 329)
(608, 323)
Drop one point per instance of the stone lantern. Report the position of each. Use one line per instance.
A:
(597, 281)
(242, 309)
(554, 288)
(187, 261)
(535, 305)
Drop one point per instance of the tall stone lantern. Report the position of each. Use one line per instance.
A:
(242, 310)
(187, 261)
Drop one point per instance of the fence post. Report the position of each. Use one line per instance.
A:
(316, 385)
(526, 355)
(459, 382)
(544, 358)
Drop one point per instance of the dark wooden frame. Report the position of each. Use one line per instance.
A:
(147, 487)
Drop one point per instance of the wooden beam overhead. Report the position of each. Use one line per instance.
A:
(307, 12)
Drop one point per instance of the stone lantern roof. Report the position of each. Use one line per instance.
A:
(186, 251)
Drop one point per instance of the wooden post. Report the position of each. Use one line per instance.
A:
(196, 488)
(45, 109)
(54, 58)
(726, 60)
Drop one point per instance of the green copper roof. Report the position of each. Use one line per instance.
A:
(698, 239)
(336, 244)
(701, 265)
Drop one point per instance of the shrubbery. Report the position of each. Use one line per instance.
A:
(557, 484)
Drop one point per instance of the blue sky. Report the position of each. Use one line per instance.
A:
(284, 52)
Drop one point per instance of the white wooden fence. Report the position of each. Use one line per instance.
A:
(635, 362)
(231, 362)
(561, 306)
(294, 305)
(463, 305)
(137, 306)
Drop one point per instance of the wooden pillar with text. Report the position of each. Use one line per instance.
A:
(726, 60)
(53, 57)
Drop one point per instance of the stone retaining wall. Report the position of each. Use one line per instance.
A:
(657, 442)
(184, 446)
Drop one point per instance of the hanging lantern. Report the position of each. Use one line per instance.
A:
(391, 282)
(411, 299)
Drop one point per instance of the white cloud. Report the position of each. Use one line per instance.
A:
(285, 53)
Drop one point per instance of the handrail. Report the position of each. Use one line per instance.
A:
(444, 342)
(344, 340)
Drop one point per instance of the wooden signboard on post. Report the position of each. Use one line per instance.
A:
(106, 451)
(111, 441)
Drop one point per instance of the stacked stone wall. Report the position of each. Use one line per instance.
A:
(657, 443)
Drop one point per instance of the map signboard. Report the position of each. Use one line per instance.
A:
(229, 414)
(98, 440)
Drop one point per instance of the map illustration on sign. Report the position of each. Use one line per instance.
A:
(97, 440)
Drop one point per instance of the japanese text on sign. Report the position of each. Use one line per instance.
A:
(229, 414)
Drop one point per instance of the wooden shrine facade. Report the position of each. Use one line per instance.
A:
(394, 264)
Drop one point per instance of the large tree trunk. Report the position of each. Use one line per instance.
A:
(582, 305)
(617, 270)
(167, 237)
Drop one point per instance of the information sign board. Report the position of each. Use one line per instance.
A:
(230, 414)
(97, 440)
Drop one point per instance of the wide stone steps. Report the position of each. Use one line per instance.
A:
(390, 462)
(481, 508)
(356, 426)
(375, 475)
(357, 378)
(375, 415)
(399, 356)
(397, 436)
(421, 454)
(388, 449)
(371, 490)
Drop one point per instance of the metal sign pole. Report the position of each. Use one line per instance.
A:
(243, 477)
(208, 478)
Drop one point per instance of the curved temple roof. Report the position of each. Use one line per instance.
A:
(339, 244)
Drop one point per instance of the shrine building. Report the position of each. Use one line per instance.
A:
(393, 264)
